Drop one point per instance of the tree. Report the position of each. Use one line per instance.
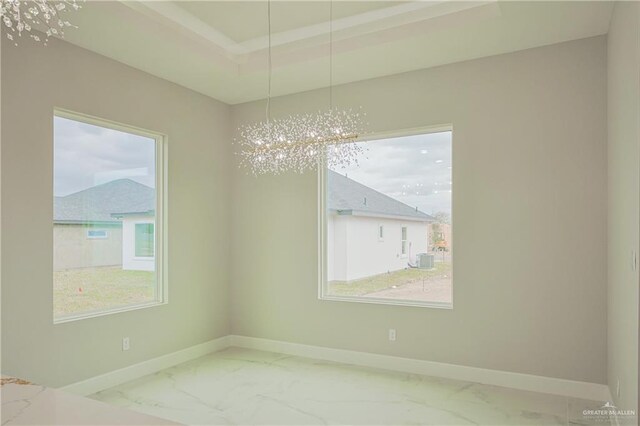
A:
(442, 217)
(436, 233)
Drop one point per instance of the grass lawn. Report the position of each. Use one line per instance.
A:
(399, 278)
(91, 289)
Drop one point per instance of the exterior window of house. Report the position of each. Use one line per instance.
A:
(144, 240)
(97, 233)
(407, 184)
(108, 234)
(404, 241)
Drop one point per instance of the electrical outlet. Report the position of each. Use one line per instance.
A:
(392, 334)
(125, 343)
(618, 389)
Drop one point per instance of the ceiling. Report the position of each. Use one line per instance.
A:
(219, 48)
(286, 16)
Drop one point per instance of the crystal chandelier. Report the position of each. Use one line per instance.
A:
(299, 142)
(23, 16)
(303, 141)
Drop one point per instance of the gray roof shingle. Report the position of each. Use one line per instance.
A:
(101, 202)
(346, 196)
(124, 196)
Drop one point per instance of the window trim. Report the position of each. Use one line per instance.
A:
(161, 230)
(322, 228)
(404, 241)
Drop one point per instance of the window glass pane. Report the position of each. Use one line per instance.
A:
(144, 239)
(104, 187)
(406, 181)
(96, 233)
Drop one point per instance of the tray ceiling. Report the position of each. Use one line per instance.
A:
(219, 48)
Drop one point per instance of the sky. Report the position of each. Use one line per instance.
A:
(415, 170)
(86, 155)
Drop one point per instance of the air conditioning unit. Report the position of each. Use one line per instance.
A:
(425, 260)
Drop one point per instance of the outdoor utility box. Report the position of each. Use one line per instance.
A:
(426, 261)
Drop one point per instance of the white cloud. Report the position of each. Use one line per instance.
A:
(86, 155)
(413, 169)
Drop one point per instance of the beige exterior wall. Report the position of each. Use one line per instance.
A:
(529, 160)
(72, 248)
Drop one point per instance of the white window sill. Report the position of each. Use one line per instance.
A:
(381, 301)
(87, 315)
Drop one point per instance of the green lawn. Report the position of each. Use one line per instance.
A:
(399, 278)
(91, 289)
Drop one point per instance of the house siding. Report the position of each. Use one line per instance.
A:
(354, 250)
(73, 250)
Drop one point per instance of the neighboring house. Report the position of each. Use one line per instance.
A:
(106, 225)
(370, 233)
(138, 239)
(440, 236)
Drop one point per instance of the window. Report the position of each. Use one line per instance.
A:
(144, 240)
(404, 241)
(108, 237)
(97, 234)
(402, 186)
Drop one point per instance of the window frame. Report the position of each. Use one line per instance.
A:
(160, 228)
(322, 227)
(404, 238)
(135, 241)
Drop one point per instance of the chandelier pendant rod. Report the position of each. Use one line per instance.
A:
(301, 141)
(330, 55)
(268, 112)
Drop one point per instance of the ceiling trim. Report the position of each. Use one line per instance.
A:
(173, 15)
(345, 41)
(371, 21)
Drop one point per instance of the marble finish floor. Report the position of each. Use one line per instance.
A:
(25, 403)
(241, 386)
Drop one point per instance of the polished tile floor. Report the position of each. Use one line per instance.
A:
(241, 386)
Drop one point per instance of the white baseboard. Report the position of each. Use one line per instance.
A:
(528, 382)
(123, 375)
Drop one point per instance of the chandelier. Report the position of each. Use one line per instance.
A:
(301, 142)
(23, 16)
